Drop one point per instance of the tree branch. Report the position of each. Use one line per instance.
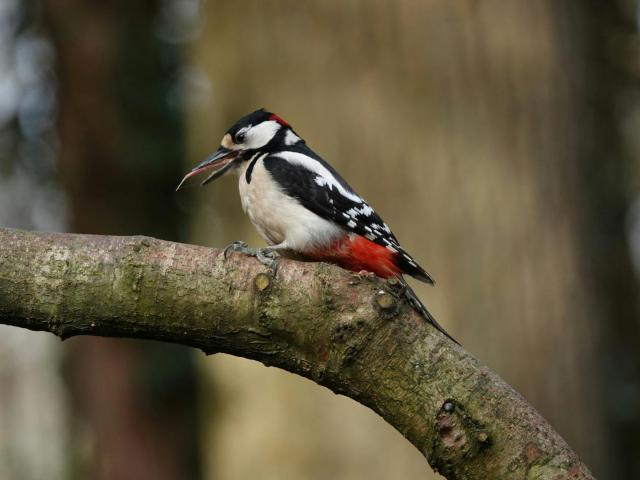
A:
(353, 335)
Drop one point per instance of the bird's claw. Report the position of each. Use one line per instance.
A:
(238, 246)
(266, 256)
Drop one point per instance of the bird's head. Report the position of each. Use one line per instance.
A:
(257, 132)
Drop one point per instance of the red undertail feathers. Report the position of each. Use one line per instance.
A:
(357, 253)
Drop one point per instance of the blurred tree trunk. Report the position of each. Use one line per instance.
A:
(33, 407)
(121, 145)
(468, 126)
(609, 175)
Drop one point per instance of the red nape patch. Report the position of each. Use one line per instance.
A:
(358, 253)
(279, 120)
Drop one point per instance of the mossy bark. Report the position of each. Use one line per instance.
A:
(315, 320)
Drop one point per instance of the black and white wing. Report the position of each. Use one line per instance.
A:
(318, 187)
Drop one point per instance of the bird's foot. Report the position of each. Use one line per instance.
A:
(238, 246)
(267, 256)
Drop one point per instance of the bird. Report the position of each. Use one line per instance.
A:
(303, 208)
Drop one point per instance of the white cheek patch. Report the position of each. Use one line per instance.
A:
(261, 134)
(291, 138)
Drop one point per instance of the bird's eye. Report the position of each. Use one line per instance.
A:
(241, 137)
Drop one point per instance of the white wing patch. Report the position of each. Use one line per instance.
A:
(365, 210)
(324, 177)
(374, 230)
(321, 181)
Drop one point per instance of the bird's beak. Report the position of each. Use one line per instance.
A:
(220, 161)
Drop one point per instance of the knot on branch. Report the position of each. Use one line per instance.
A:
(458, 439)
(261, 282)
(388, 300)
(385, 301)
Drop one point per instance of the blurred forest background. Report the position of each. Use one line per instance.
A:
(501, 140)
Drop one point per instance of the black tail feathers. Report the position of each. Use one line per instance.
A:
(415, 302)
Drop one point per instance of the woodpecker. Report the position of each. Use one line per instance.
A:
(303, 208)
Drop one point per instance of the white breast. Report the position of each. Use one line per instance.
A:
(279, 218)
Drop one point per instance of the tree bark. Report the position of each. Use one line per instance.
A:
(349, 333)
